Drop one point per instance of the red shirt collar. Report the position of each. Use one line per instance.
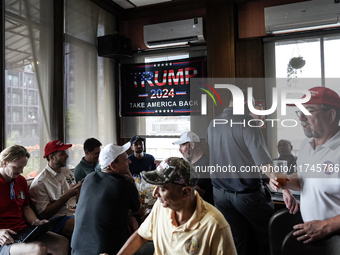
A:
(4, 182)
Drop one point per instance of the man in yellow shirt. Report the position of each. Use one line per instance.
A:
(180, 221)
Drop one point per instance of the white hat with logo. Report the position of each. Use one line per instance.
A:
(187, 136)
(110, 152)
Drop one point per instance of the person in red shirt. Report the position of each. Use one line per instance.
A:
(15, 211)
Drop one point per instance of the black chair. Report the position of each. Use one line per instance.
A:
(281, 224)
(328, 246)
(282, 241)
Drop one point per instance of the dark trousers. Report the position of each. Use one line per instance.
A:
(248, 216)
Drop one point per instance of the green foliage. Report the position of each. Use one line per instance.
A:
(75, 122)
(12, 139)
(32, 164)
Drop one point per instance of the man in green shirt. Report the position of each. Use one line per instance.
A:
(88, 163)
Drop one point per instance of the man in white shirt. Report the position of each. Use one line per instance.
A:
(54, 191)
(318, 167)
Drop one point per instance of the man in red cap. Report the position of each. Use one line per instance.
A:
(318, 166)
(54, 191)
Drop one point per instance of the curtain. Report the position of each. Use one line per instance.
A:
(28, 74)
(89, 80)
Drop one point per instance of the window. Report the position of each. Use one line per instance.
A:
(13, 80)
(25, 27)
(321, 54)
(16, 97)
(162, 148)
(331, 60)
(16, 115)
(162, 130)
(168, 125)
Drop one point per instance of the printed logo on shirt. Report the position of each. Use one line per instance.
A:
(192, 246)
(329, 167)
(21, 195)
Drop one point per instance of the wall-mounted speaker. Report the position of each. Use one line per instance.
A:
(114, 46)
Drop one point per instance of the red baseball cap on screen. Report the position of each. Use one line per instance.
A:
(322, 95)
(55, 145)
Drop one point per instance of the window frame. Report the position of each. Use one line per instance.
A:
(270, 71)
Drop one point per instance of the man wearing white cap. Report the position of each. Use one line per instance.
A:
(104, 202)
(190, 148)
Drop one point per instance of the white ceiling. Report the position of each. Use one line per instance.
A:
(127, 4)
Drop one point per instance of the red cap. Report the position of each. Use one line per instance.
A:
(55, 145)
(322, 95)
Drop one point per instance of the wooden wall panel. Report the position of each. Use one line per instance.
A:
(221, 38)
(250, 64)
(220, 45)
(58, 114)
(249, 61)
(2, 77)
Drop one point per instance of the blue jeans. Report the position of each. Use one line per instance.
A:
(4, 250)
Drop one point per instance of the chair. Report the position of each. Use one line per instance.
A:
(281, 224)
(328, 246)
(282, 241)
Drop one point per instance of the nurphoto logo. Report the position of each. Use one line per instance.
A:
(238, 99)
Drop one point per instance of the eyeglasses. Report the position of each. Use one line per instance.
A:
(299, 113)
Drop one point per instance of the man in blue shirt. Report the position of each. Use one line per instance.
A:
(140, 161)
(88, 163)
(239, 194)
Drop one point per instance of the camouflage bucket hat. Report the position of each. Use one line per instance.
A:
(172, 170)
